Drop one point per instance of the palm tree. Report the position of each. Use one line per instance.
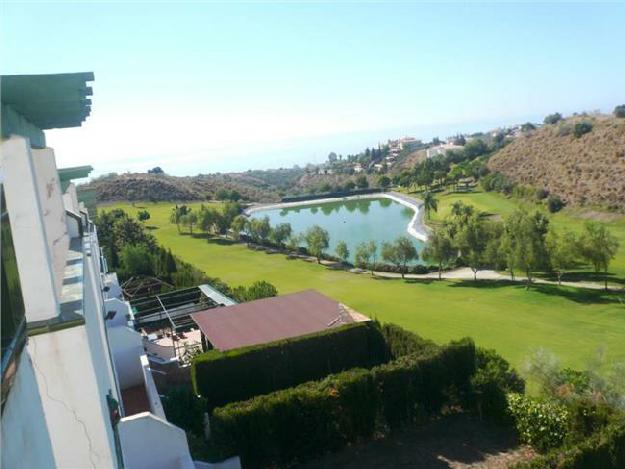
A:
(429, 203)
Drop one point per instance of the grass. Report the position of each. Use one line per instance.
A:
(572, 323)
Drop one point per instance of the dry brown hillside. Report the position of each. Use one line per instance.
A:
(585, 170)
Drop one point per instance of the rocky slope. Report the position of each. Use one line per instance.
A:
(585, 170)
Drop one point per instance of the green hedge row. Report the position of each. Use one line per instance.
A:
(236, 375)
(605, 449)
(307, 420)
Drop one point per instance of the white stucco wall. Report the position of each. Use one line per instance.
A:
(74, 404)
(53, 210)
(25, 439)
(121, 308)
(127, 348)
(34, 261)
(149, 442)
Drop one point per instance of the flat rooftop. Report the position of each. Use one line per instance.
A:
(271, 319)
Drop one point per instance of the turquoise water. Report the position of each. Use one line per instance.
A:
(352, 221)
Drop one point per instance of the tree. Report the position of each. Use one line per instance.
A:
(364, 254)
(361, 182)
(207, 219)
(440, 250)
(342, 251)
(429, 203)
(143, 215)
(238, 225)
(292, 244)
(474, 148)
(281, 233)
(384, 182)
(527, 127)
(260, 229)
(598, 246)
(552, 119)
(189, 219)
(619, 111)
(332, 157)
(562, 251)
(256, 291)
(350, 186)
(176, 215)
(471, 240)
(136, 260)
(399, 253)
(156, 170)
(524, 240)
(317, 240)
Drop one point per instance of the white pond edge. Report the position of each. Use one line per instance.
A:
(415, 227)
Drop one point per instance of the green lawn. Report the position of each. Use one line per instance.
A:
(572, 323)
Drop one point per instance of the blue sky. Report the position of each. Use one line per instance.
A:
(203, 87)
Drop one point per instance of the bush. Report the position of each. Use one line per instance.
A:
(492, 381)
(605, 449)
(619, 111)
(565, 129)
(235, 375)
(185, 409)
(542, 424)
(553, 118)
(401, 342)
(541, 193)
(554, 203)
(581, 128)
(294, 424)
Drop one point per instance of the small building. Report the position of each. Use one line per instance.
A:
(270, 319)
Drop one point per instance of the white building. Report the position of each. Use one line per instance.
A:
(77, 389)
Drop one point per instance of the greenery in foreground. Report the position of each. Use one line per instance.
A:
(571, 322)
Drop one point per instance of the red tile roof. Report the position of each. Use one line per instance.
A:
(270, 319)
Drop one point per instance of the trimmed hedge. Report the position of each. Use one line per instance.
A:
(236, 375)
(302, 422)
(605, 449)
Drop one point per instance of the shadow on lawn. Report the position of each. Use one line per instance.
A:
(578, 295)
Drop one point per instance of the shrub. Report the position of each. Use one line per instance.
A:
(185, 409)
(582, 128)
(554, 203)
(619, 111)
(401, 342)
(541, 193)
(542, 424)
(235, 375)
(492, 381)
(301, 422)
(605, 449)
(553, 118)
(565, 129)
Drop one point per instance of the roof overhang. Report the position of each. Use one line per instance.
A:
(32, 103)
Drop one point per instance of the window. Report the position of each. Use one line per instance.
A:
(12, 303)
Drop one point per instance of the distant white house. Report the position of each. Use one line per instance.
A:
(441, 149)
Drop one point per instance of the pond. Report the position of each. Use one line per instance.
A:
(353, 221)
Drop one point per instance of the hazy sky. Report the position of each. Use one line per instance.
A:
(204, 87)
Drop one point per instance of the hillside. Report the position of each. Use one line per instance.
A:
(160, 187)
(589, 170)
